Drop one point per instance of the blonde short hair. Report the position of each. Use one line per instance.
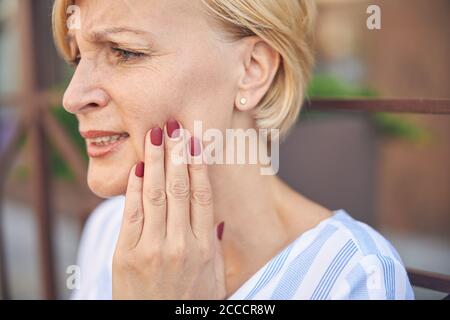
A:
(286, 25)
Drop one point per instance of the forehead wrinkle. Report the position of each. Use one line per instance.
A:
(103, 35)
(96, 33)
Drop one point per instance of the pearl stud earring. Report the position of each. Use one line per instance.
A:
(243, 101)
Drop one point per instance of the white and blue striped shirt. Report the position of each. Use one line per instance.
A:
(340, 258)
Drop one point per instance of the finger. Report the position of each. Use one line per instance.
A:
(201, 213)
(133, 216)
(154, 189)
(177, 180)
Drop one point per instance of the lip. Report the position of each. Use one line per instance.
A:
(91, 134)
(96, 151)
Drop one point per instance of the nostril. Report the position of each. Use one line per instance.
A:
(78, 99)
(90, 106)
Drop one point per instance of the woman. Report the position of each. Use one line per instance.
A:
(145, 72)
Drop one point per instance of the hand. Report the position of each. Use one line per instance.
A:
(168, 247)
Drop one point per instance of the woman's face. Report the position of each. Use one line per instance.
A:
(141, 63)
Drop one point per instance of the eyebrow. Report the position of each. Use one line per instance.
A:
(104, 34)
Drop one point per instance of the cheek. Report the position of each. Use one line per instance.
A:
(143, 97)
(191, 88)
(108, 177)
(187, 88)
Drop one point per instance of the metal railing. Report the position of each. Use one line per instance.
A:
(38, 124)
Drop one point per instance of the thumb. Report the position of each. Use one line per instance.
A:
(219, 264)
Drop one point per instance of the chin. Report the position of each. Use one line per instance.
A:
(105, 184)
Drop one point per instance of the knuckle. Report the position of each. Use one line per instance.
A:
(156, 196)
(202, 196)
(124, 261)
(198, 167)
(134, 215)
(151, 256)
(179, 188)
(178, 252)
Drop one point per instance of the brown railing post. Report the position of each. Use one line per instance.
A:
(38, 152)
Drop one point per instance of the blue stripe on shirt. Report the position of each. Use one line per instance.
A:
(363, 239)
(357, 281)
(271, 271)
(334, 270)
(389, 276)
(296, 271)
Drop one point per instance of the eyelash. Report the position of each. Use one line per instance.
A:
(75, 62)
(126, 55)
(122, 55)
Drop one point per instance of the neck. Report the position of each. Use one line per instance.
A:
(254, 230)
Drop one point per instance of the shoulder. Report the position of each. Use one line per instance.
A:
(96, 248)
(377, 270)
(102, 221)
(343, 258)
(102, 224)
(104, 210)
(367, 240)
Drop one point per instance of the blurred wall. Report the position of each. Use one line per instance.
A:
(407, 58)
(410, 57)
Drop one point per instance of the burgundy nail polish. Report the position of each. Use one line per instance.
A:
(220, 230)
(173, 128)
(139, 171)
(195, 147)
(156, 136)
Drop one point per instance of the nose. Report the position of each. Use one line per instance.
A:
(84, 92)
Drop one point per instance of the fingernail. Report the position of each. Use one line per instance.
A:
(195, 147)
(156, 136)
(173, 128)
(220, 230)
(139, 171)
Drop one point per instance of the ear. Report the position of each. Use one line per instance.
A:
(261, 63)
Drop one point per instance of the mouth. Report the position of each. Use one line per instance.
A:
(102, 143)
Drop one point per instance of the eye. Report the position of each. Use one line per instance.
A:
(126, 55)
(76, 61)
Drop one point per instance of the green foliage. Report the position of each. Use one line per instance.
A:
(327, 86)
(390, 125)
(394, 126)
(58, 167)
(68, 121)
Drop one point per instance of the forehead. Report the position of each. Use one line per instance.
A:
(157, 15)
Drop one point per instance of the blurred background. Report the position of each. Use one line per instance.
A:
(391, 170)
